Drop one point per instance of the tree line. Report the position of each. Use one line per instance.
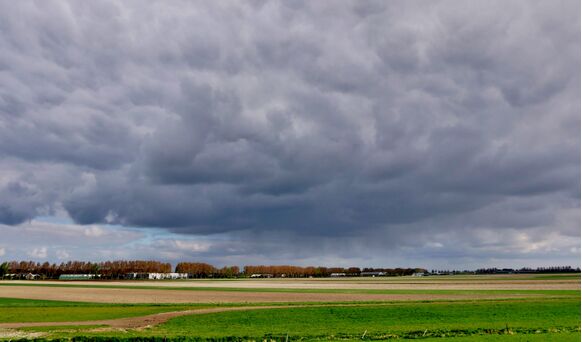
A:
(320, 271)
(203, 270)
(551, 269)
(106, 269)
(119, 269)
(495, 270)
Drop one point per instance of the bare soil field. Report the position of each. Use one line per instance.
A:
(107, 295)
(401, 283)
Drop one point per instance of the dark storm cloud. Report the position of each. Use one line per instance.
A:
(293, 119)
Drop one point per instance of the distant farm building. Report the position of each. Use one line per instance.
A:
(335, 275)
(373, 274)
(261, 275)
(76, 276)
(155, 276)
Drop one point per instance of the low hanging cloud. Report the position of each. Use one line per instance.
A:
(384, 124)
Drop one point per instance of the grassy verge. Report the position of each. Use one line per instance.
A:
(557, 277)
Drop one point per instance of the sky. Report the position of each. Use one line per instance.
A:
(441, 134)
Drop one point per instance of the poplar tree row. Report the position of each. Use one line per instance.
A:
(106, 269)
(202, 270)
(120, 268)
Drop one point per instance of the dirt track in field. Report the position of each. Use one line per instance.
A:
(107, 295)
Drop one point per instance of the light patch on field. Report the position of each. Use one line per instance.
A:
(9, 334)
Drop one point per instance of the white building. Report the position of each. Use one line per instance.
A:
(156, 276)
(31, 276)
(261, 275)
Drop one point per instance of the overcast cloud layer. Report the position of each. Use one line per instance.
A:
(317, 132)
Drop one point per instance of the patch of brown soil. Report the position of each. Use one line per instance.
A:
(106, 295)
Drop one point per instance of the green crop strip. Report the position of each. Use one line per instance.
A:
(539, 320)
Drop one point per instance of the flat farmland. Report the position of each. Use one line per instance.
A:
(452, 307)
(481, 282)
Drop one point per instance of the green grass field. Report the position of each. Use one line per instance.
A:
(397, 319)
(513, 320)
